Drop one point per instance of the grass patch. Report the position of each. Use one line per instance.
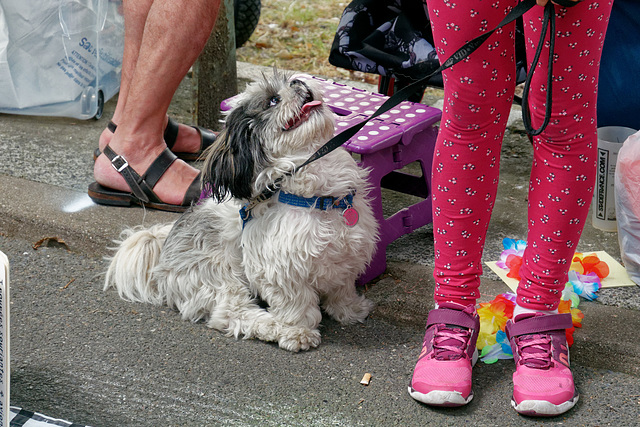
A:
(297, 35)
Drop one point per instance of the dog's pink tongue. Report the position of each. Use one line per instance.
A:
(305, 110)
(309, 105)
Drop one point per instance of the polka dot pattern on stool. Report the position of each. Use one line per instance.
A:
(353, 105)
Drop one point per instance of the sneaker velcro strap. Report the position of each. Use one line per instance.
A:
(453, 317)
(540, 324)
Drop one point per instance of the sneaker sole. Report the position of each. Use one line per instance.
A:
(441, 398)
(543, 408)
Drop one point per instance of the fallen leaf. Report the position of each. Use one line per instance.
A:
(50, 242)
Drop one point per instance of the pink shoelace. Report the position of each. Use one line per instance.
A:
(535, 351)
(450, 343)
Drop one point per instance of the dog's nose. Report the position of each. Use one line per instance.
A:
(300, 87)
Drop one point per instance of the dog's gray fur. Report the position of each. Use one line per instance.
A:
(297, 260)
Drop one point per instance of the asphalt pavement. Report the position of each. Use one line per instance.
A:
(84, 355)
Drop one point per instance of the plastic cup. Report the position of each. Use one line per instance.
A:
(610, 140)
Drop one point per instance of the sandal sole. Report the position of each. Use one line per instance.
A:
(110, 197)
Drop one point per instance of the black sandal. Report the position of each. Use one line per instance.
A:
(142, 186)
(207, 138)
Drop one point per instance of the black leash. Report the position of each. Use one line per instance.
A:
(520, 9)
(407, 91)
(549, 20)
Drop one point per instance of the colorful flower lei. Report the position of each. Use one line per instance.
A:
(585, 277)
(492, 339)
(585, 274)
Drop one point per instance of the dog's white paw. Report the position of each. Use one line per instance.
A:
(352, 311)
(297, 338)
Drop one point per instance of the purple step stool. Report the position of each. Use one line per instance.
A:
(403, 135)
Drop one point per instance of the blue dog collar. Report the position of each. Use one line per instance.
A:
(245, 215)
(322, 203)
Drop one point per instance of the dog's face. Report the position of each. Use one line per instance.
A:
(276, 122)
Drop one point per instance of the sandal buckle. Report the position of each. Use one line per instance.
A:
(119, 163)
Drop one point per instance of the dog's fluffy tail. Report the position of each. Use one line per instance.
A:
(130, 269)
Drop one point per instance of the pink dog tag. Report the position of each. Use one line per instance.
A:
(350, 216)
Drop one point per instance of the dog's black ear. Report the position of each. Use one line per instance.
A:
(230, 163)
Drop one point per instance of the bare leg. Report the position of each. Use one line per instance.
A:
(174, 34)
(135, 17)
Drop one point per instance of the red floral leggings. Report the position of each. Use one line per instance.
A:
(478, 97)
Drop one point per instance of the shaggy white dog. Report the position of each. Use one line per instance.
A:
(297, 252)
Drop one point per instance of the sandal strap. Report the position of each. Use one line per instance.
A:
(194, 191)
(130, 176)
(142, 186)
(158, 168)
(171, 133)
(207, 137)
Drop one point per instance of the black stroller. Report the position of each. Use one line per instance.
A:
(393, 38)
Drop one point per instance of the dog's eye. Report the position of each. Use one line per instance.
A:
(274, 100)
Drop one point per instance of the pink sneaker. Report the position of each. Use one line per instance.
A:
(442, 376)
(542, 383)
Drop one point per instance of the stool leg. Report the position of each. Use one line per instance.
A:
(383, 165)
(376, 268)
(379, 261)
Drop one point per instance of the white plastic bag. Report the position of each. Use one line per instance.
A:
(628, 205)
(7, 90)
(56, 55)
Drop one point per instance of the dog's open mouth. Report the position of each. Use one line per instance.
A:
(303, 114)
